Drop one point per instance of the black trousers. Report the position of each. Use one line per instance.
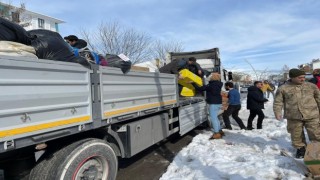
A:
(253, 114)
(234, 111)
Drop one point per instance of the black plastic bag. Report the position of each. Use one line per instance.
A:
(116, 61)
(50, 45)
(10, 31)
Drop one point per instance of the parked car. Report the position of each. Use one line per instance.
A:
(244, 88)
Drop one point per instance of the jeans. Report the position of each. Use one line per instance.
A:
(213, 111)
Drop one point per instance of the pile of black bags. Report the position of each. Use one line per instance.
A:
(50, 45)
(116, 61)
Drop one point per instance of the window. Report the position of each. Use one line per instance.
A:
(57, 27)
(40, 23)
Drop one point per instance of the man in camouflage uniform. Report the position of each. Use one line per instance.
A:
(301, 103)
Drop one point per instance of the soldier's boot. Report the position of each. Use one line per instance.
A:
(300, 152)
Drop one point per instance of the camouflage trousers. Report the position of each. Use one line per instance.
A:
(295, 128)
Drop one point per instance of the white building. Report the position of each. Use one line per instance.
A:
(30, 20)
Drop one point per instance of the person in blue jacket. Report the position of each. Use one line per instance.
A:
(234, 106)
(214, 99)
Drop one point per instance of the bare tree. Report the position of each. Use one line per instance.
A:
(112, 38)
(254, 70)
(262, 74)
(161, 49)
(285, 69)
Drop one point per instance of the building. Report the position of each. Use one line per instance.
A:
(28, 19)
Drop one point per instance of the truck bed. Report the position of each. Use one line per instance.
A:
(42, 100)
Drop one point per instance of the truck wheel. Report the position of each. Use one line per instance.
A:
(88, 159)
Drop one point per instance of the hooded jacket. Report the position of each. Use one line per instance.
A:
(255, 99)
(173, 67)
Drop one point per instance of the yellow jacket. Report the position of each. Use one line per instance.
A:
(266, 87)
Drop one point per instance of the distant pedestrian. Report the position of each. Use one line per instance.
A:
(300, 101)
(265, 87)
(316, 78)
(214, 99)
(234, 106)
(255, 103)
(273, 88)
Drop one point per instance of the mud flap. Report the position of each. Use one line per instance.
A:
(1, 174)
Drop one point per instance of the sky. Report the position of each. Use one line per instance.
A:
(241, 154)
(266, 34)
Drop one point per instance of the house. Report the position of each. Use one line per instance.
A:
(28, 19)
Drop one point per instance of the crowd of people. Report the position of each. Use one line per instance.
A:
(297, 98)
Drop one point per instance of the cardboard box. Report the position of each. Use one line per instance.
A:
(225, 99)
(312, 158)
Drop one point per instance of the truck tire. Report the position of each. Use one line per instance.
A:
(85, 159)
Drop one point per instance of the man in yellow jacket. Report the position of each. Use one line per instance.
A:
(265, 87)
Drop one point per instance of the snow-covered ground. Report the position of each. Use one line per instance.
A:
(241, 154)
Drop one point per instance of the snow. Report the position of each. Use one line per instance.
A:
(241, 154)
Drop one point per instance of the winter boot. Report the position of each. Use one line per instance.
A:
(250, 128)
(221, 132)
(215, 136)
(300, 152)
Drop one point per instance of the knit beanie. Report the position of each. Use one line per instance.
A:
(295, 73)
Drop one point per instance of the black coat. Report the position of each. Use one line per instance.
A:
(255, 99)
(194, 68)
(173, 67)
(213, 90)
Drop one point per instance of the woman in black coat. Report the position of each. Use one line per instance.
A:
(255, 103)
(214, 99)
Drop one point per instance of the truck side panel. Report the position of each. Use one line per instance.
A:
(147, 91)
(190, 116)
(39, 96)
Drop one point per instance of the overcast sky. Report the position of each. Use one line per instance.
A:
(268, 34)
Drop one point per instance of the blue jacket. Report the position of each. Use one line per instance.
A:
(234, 97)
(213, 90)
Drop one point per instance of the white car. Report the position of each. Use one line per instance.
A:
(244, 89)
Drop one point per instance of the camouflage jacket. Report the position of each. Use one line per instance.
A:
(298, 101)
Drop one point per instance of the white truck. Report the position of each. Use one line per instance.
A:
(60, 120)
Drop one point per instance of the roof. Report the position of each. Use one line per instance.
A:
(36, 14)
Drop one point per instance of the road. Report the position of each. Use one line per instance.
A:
(153, 162)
